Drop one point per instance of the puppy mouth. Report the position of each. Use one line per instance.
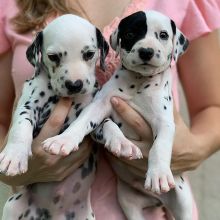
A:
(148, 64)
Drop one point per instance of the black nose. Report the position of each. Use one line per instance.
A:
(74, 87)
(146, 53)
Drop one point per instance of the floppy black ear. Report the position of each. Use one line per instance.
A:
(180, 42)
(103, 46)
(35, 49)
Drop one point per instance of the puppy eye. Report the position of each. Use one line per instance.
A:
(164, 35)
(129, 35)
(54, 57)
(88, 55)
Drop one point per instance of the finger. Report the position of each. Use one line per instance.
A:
(132, 117)
(56, 120)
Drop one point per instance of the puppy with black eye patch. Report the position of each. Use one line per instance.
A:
(147, 43)
(64, 67)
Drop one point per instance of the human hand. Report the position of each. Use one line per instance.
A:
(187, 149)
(44, 167)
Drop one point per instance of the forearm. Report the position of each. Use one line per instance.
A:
(206, 126)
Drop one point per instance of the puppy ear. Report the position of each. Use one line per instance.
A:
(180, 42)
(35, 49)
(114, 40)
(103, 46)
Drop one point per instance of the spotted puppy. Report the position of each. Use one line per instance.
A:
(147, 43)
(64, 55)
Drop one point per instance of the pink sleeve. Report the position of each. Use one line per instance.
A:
(202, 17)
(4, 42)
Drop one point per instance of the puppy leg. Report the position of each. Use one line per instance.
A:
(133, 202)
(109, 134)
(179, 200)
(14, 157)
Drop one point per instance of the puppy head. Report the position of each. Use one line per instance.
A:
(147, 42)
(69, 49)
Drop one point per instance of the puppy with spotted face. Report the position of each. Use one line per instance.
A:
(64, 55)
(147, 43)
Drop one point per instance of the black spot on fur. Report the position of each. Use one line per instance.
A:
(42, 94)
(23, 113)
(116, 76)
(93, 125)
(32, 91)
(27, 107)
(27, 213)
(156, 35)
(182, 178)
(181, 39)
(119, 124)
(78, 112)
(11, 198)
(36, 101)
(20, 217)
(46, 114)
(76, 187)
(54, 99)
(132, 86)
(148, 85)
(121, 90)
(43, 213)
(181, 187)
(49, 86)
(29, 120)
(56, 199)
(132, 29)
(18, 197)
(165, 107)
(77, 106)
(96, 85)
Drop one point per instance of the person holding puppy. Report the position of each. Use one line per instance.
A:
(192, 145)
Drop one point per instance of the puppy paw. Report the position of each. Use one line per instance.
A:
(159, 180)
(14, 162)
(122, 147)
(61, 145)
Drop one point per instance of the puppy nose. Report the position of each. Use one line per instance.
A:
(146, 53)
(74, 87)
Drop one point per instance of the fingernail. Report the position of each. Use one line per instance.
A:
(114, 101)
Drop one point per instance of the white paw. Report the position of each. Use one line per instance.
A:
(122, 147)
(159, 179)
(61, 145)
(14, 160)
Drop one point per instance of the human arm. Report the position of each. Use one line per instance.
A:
(6, 94)
(199, 72)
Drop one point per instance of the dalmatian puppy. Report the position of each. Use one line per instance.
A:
(64, 55)
(147, 43)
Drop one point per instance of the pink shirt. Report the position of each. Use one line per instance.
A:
(193, 17)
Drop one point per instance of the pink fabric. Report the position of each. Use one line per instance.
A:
(194, 17)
